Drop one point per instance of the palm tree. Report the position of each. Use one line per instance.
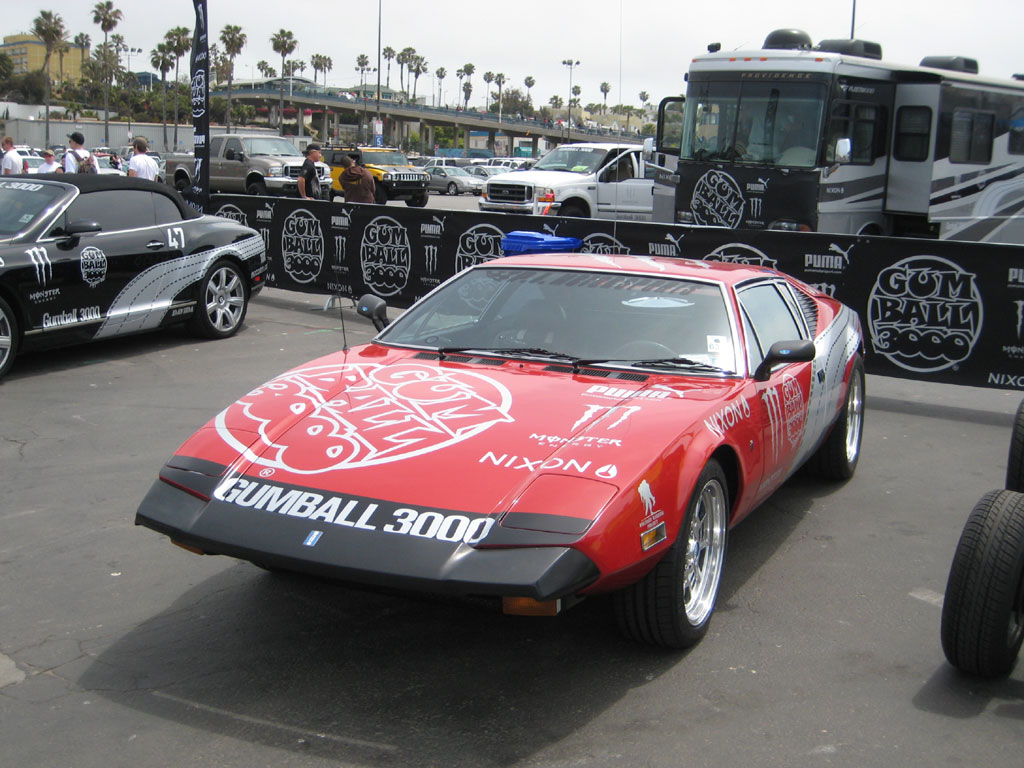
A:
(284, 43)
(49, 27)
(179, 42)
(467, 91)
(488, 78)
(63, 48)
(644, 98)
(106, 16)
(362, 67)
(316, 61)
(556, 102)
(326, 65)
(161, 59)
(404, 58)
(605, 90)
(417, 67)
(440, 73)
(82, 41)
(234, 41)
(499, 80)
(388, 53)
(529, 82)
(265, 69)
(575, 101)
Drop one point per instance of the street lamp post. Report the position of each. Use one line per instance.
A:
(571, 64)
(129, 51)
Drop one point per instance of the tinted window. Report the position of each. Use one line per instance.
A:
(971, 138)
(770, 315)
(913, 134)
(1016, 140)
(165, 209)
(861, 124)
(114, 209)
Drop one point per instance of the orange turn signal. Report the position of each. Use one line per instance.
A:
(527, 606)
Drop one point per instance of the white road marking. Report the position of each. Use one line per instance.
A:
(267, 723)
(927, 596)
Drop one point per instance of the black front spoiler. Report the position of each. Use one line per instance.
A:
(359, 557)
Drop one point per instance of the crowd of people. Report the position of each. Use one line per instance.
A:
(78, 159)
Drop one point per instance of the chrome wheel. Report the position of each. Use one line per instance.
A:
(705, 552)
(225, 299)
(8, 337)
(854, 417)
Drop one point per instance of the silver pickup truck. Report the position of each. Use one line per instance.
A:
(250, 164)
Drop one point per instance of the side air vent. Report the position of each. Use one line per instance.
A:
(808, 308)
(599, 373)
(952, 63)
(865, 49)
(459, 358)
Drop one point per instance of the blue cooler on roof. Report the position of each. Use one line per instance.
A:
(516, 243)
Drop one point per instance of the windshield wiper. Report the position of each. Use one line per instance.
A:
(514, 351)
(680, 362)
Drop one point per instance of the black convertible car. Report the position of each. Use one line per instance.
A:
(92, 256)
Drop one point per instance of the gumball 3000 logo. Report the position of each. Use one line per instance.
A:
(717, 200)
(232, 212)
(302, 246)
(479, 243)
(199, 94)
(741, 253)
(94, 265)
(925, 313)
(359, 415)
(385, 256)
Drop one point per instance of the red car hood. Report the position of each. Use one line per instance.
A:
(466, 433)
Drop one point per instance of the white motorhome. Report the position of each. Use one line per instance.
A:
(592, 181)
(830, 138)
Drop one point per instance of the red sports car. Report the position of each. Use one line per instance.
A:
(537, 429)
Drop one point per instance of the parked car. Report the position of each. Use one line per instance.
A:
(30, 164)
(106, 165)
(452, 180)
(484, 172)
(92, 256)
(536, 430)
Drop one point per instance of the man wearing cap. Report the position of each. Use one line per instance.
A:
(49, 164)
(77, 157)
(12, 162)
(309, 179)
(142, 165)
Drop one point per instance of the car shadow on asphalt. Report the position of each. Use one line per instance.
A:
(349, 675)
(954, 694)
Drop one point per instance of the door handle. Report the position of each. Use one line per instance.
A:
(155, 245)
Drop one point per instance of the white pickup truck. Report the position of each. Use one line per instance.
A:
(598, 181)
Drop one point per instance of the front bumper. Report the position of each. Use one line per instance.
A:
(531, 208)
(398, 562)
(402, 190)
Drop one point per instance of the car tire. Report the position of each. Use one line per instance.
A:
(181, 184)
(380, 195)
(672, 605)
(573, 210)
(453, 188)
(1015, 461)
(8, 337)
(256, 187)
(419, 201)
(222, 301)
(983, 610)
(837, 457)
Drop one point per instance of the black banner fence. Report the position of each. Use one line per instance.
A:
(942, 311)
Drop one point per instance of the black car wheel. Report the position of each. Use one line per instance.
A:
(575, 210)
(836, 458)
(223, 300)
(672, 605)
(380, 195)
(983, 610)
(8, 337)
(419, 201)
(1015, 462)
(256, 187)
(181, 183)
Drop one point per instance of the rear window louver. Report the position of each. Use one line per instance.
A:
(808, 308)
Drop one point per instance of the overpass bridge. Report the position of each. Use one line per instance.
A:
(399, 118)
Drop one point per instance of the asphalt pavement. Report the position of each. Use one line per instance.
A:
(119, 649)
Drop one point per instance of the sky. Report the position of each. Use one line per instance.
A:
(633, 46)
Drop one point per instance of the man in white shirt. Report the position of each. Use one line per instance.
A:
(12, 162)
(49, 164)
(142, 165)
(78, 158)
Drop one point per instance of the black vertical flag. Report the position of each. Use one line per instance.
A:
(199, 194)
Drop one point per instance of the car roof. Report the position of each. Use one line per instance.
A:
(92, 182)
(724, 272)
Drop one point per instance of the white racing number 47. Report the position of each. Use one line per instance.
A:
(176, 237)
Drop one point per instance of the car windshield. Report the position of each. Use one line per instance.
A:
(574, 159)
(385, 158)
(22, 203)
(455, 171)
(271, 145)
(665, 322)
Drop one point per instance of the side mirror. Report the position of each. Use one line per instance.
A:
(81, 227)
(374, 308)
(783, 353)
(844, 148)
(648, 147)
(229, 154)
